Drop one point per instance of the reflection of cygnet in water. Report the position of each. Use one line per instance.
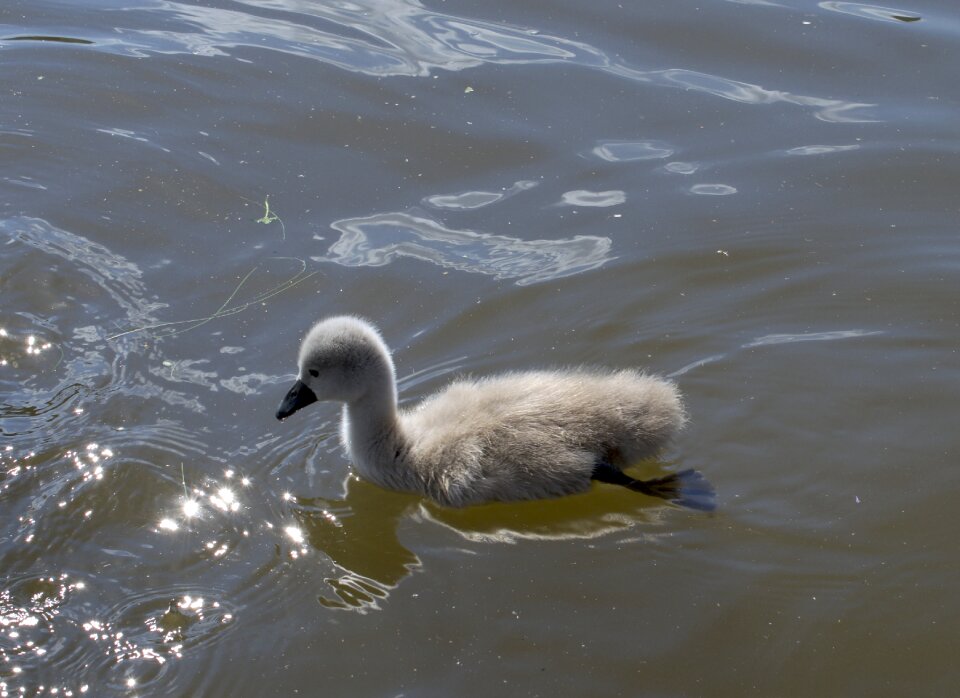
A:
(523, 435)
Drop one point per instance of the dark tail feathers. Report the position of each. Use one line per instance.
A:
(688, 488)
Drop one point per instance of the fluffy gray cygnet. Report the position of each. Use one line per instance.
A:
(515, 436)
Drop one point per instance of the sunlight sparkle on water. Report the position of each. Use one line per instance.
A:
(225, 500)
(296, 535)
(191, 507)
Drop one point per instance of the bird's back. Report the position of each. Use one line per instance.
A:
(534, 434)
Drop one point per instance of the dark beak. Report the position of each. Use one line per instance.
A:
(299, 396)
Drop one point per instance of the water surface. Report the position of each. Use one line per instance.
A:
(757, 198)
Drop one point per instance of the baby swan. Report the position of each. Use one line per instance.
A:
(520, 435)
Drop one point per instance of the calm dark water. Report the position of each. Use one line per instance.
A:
(758, 198)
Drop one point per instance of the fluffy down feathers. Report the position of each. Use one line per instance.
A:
(523, 435)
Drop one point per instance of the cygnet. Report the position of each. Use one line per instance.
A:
(514, 436)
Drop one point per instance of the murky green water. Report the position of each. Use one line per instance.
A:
(757, 198)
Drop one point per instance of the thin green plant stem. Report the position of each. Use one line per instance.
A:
(224, 310)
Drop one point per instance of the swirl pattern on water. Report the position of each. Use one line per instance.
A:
(594, 199)
(821, 149)
(51, 371)
(476, 199)
(84, 462)
(772, 339)
(857, 9)
(377, 240)
(402, 37)
(118, 277)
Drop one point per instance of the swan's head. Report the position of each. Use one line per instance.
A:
(341, 359)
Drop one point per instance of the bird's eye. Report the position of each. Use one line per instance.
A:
(314, 372)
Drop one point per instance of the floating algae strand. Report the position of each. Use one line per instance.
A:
(225, 309)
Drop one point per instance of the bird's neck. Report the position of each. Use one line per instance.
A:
(372, 435)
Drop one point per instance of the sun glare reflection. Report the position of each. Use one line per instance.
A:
(203, 509)
(295, 533)
(145, 629)
(330, 517)
(210, 496)
(191, 508)
(186, 618)
(32, 345)
(29, 611)
(90, 461)
(225, 500)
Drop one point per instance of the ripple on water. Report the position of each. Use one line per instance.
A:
(29, 354)
(51, 631)
(48, 493)
(161, 624)
(38, 619)
(112, 275)
(131, 135)
(93, 515)
(49, 370)
(884, 14)
(773, 339)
